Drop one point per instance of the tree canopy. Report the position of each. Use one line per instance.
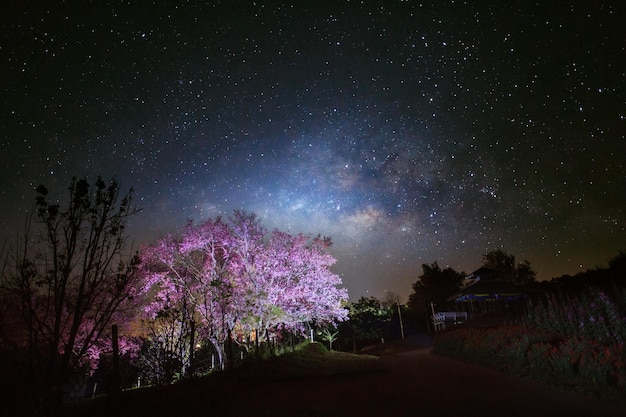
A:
(506, 268)
(367, 319)
(241, 283)
(434, 285)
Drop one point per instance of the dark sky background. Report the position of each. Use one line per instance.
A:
(409, 132)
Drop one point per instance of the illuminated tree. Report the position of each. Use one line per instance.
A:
(285, 280)
(194, 270)
(239, 281)
(166, 350)
(73, 278)
(329, 334)
(298, 282)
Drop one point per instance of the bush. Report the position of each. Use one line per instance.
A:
(315, 348)
(573, 361)
(591, 314)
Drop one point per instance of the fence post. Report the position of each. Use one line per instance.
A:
(116, 382)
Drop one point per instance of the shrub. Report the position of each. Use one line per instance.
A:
(575, 361)
(592, 315)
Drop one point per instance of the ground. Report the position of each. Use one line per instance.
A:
(411, 383)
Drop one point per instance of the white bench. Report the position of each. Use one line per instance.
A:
(442, 318)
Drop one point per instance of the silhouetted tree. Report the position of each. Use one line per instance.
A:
(617, 268)
(72, 277)
(506, 268)
(609, 280)
(392, 302)
(434, 285)
(391, 299)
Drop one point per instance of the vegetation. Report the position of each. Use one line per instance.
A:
(307, 360)
(69, 278)
(229, 295)
(328, 334)
(569, 335)
(366, 323)
(434, 285)
(571, 362)
(221, 289)
(237, 286)
(201, 395)
(506, 269)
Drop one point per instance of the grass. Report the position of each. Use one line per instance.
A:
(413, 342)
(194, 395)
(310, 360)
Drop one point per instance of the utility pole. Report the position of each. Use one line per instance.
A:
(401, 324)
(432, 320)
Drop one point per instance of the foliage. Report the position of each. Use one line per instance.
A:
(71, 277)
(590, 314)
(241, 286)
(329, 335)
(434, 285)
(366, 323)
(165, 352)
(506, 268)
(191, 274)
(577, 340)
(571, 361)
(306, 360)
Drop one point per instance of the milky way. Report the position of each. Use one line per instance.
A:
(409, 133)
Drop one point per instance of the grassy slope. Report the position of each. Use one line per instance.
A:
(311, 361)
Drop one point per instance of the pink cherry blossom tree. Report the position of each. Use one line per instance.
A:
(287, 280)
(238, 280)
(308, 290)
(194, 270)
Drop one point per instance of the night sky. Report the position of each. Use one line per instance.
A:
(408, 132)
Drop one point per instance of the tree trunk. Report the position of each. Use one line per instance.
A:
(269, 342)
(229, 345)
(192, 348)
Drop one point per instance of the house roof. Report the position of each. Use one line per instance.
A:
(480, 285)
(483, 273)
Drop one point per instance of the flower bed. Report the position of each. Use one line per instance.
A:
(572, 361)
(570, 341)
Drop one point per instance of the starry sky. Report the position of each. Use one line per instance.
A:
(409, 132)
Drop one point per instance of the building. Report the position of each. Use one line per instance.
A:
(483, 291)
